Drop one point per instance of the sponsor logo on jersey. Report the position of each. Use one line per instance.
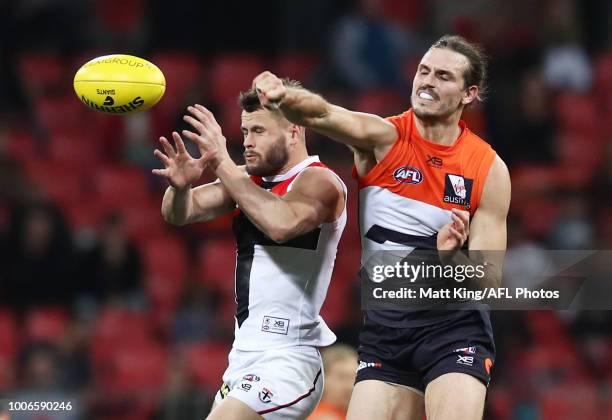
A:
(465, 360)
(265, 395)
(408, 175)
(251, 378)
(458, 190)
(364, 365)
(275, 325)
(434, 161)
(245, 386)
(466, 350)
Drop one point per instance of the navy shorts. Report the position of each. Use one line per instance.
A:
(416, 356)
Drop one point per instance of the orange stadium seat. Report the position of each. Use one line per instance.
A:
(79, 152)
(21, 145)
(380, 102)
(603, 77)
(207, 362)
(500, 403)
(180, 69)
(539, 215)
(9, 338)
(120, 186)
(42, 72)
(578, 112)
(6, 373)
(132, 377)
(118, 325)
(582, 151)
(217, 264)
(57, 181)
(164, 293)
(120, 15)
(143, 221)
(138, 366)
(165, 256)
(62, 113)
(46, 324)
(226, 314)
(233, 73)
(297, 66)
(83, 214)
(570, 401)
(229, 117)
(183, 73)
(335, 309)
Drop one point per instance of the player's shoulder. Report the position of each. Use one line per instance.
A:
(405, 116)
(474, 140)
(318, 180)
(316, 175)
(476, 147)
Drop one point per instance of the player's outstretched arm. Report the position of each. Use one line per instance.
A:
(182, 204)
(316, 195)
(367, 132)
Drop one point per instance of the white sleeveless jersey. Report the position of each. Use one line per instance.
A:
(280, 288)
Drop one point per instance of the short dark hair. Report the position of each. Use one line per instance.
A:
(249, 101)
(476, 74)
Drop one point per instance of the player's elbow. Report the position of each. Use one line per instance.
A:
(171, 220)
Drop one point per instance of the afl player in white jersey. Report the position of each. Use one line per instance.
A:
(289, 213)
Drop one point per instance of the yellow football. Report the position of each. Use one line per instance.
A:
(119, 84)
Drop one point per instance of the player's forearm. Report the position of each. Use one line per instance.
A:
(364, 131)
(268, 212)
(486, 267)
(304, 108)
(177, 205)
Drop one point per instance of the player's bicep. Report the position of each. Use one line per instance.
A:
(313, 200)
(488, 227)
(210, 201)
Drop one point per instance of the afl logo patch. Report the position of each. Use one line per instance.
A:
(408, 175)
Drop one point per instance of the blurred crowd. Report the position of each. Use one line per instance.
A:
(103, 304)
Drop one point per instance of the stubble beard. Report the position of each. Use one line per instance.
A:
(276, 158)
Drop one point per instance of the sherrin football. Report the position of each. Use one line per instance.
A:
(119, 84)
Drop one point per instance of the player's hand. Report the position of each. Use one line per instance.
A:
(208, 136)
(453, 235)
(180, 168)
(270, 90)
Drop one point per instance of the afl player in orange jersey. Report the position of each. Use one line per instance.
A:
(425, 182)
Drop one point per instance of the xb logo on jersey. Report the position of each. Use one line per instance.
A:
(408, 175)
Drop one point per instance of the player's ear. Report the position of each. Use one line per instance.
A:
(296, 132)
(469, 95)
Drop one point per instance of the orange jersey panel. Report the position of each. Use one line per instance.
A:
(443, 176)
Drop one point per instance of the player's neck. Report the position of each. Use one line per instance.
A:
(294, 159)
(443, 132)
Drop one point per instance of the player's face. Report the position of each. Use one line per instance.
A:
(339, 380)
(266, 149)
(438, 89)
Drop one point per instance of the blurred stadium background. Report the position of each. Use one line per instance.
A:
(103, 303)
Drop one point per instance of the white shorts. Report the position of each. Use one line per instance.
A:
(278, 384)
